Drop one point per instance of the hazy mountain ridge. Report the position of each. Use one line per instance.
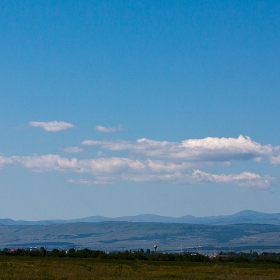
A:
(243, 217)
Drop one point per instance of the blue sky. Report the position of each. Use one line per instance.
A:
(127, 107)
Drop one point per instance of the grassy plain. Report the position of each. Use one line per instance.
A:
(67, 268)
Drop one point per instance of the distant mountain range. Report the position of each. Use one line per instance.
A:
(243, 217)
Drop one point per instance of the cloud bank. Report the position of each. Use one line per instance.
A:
(160, 162)
(52, 126)
(115, 169)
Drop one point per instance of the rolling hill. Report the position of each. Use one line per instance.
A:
(110, 236)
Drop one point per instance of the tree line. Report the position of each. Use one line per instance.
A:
(265, 257)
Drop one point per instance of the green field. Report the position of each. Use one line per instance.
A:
(67, 268)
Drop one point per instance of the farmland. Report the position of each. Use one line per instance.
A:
(12, 267)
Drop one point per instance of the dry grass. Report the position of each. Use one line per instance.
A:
(55, 268)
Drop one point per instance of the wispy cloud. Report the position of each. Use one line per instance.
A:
(80, 181)
(245, 179)
(108, 129)
(73, 150)
(96, 181)
(115, 169)
(52, 126)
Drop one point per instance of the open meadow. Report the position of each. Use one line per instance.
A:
(67, 268)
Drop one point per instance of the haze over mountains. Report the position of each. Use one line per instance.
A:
(243, 217)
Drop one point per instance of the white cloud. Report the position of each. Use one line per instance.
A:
(73, 150)
(93, 166)
(47, 163)
(4, 161)
(197, 150)
(160, 161)
(274, 159)
(108, 129)
(52, 126)
(245, 179)
(111, 170)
